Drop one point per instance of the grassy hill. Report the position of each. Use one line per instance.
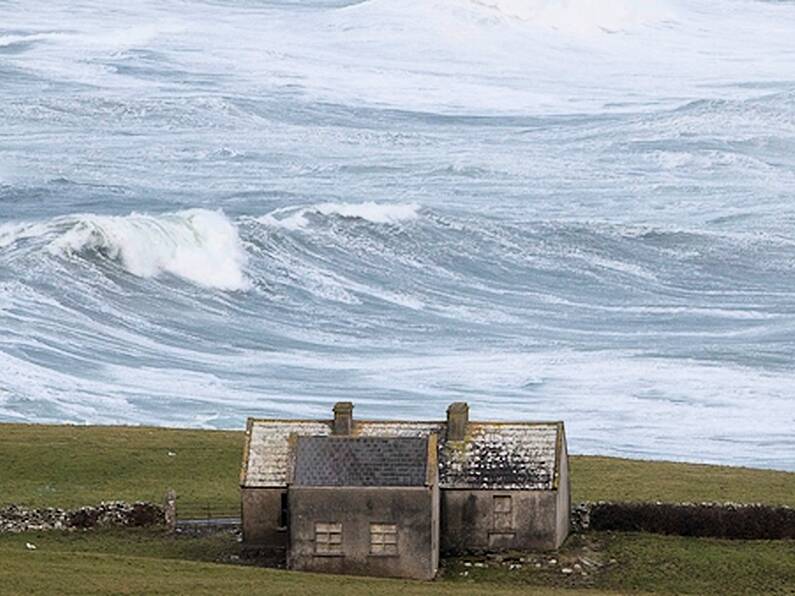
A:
(80, 465)
(68, 466)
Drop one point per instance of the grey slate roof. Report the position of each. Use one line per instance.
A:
(360, 461)
(497, 455)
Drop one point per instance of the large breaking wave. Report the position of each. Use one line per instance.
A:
(197, 245)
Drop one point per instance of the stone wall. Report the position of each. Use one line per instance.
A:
(16, 518)
(718, 520)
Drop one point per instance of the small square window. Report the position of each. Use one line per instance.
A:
(328, 538)
(502, 504)
(383, 539)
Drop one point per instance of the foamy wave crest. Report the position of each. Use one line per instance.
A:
(197, 245)
(379, 213)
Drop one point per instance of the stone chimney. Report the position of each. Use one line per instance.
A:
(457, 419)
(343, 418)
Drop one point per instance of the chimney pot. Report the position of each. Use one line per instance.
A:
(457, 420)
(343, 418)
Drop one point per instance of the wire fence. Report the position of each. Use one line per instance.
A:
(202, 510)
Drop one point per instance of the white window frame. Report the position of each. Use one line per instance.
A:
(328, 539)
(384, 540)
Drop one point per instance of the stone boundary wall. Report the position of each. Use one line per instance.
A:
(717, 520)
(16, 518)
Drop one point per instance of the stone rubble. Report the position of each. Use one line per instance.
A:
(576, 566)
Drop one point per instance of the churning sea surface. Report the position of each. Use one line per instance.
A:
(551, 209)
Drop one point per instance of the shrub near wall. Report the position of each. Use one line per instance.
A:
(716, 520)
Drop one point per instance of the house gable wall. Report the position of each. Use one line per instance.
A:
(469, 523)
(563, 514)
(261, 511)
(411, 509)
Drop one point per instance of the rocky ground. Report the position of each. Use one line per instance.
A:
(578, 564)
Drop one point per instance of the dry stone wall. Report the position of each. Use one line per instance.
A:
(16, 518)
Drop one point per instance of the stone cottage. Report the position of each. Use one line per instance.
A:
(386, 497)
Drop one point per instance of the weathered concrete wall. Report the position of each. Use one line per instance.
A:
(436, 524)
(468, 521)
(411, 509)
(564, 495)
(262, 510)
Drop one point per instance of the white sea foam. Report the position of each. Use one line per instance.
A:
(138, 35)
(379, 213)
(582, 16)
(11, 233)
(9, 40)
(444, 56)
(520, 56)
(651, 401)
(197, 245)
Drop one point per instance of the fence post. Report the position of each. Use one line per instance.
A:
(170, 510)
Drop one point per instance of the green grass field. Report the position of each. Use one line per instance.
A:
(138, 561)
(152, 562)
(99, 573)
(75, 465)
(69, 466)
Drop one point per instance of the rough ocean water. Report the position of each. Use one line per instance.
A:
(551, 209)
